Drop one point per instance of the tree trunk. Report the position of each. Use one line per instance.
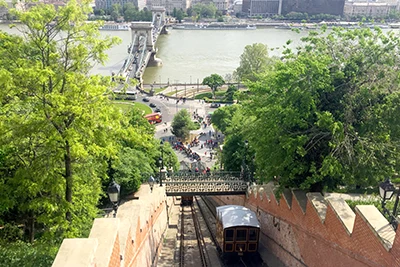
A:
(68, 178)
(31, 222)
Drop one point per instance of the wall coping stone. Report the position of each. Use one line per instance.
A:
(344, 213)
(288, 196)
(319, 204)
(378, 224)
(76, 252)
(106, 232)
(301, 198)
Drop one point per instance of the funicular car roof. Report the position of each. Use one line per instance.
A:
(234, 215)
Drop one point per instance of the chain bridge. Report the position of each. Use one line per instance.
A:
(214, 183)
(142, 51)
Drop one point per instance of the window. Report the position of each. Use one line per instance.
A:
(241, 234)
(252, 234)
(229, 247)
(253, 247)
(229, 234)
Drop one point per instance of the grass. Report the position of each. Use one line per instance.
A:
(372, 201)
(156, 90)
(125, 106)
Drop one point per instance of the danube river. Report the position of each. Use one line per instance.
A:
(189, 55)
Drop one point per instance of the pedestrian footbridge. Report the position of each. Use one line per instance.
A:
(214, 183)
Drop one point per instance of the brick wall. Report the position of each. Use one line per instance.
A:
(308, 230)
(132, 239)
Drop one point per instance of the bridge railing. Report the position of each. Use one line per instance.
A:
(214, 176)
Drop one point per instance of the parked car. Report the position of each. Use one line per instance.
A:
(153, 105)
(215, 105)
(157, 110)
(145, 99)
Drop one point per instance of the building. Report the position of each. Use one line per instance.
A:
(4, 9)
(368, 9)
(312, 7)
(107, 4)
(170, 5)
(263, 8)
(222, 5)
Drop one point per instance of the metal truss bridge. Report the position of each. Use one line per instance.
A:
(214, 183)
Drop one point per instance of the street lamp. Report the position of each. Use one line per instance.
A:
(386, 191)
(151, 183)
(113, 193)
(160, 161)
(244, 167)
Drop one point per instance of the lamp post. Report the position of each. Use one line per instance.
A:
(113, 193)
(244, 167)
(151, 183)
(160, 161)
(386, 191)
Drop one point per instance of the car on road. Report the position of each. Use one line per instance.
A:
(146, 99)
(153, 105)
(157, 110)
(215, 105)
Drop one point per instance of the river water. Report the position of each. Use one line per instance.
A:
(191, 55)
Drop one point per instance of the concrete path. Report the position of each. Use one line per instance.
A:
(167, 256)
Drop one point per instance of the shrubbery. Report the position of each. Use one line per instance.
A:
(18, 254)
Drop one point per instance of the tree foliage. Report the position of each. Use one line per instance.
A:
(59, 132)
(204, 11)
(213, 81)
(233, 122)
(230, 93)
(182, 124)
(253, 62)
(328, 114)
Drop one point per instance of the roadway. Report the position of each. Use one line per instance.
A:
(168, 109)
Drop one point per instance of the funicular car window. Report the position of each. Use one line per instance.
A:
(229, 234)
(241, 234)
(252, 234)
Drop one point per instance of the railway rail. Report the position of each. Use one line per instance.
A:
(191, 238)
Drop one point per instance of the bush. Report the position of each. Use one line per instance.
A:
(375, 201)
(203, 96)
(17, 254)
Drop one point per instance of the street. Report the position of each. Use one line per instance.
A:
(168, 109)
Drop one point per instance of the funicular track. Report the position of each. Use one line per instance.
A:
(192, 250)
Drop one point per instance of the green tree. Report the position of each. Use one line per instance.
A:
(182, 124)
(329, 114)
(233, 123)
(189, 12)
(130, 12)
(254, 61)
(213, 81)
(179, 15)
(115, 12)
(56, 119)
(205, 11)
(229, 95)
(222, 117)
